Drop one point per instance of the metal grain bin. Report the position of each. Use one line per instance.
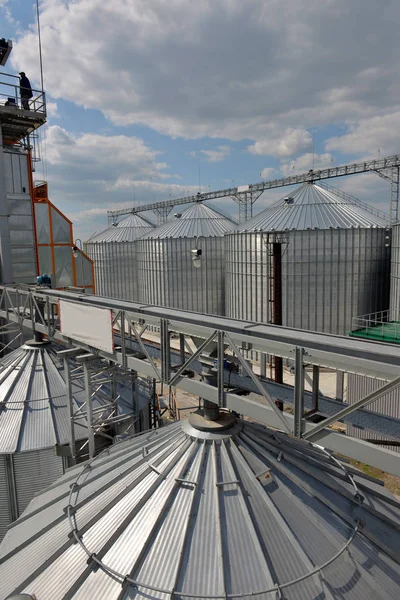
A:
(114, 255)
(175, 515)
(167, 262)
(395, 274)
(34, 421)
(335, 261)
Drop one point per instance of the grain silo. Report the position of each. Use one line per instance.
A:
(246, 512)
(381, 326)
(114, 255)
(35, 422)
(181, 262)
(334, 261)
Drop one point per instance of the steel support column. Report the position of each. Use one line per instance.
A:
(315, 387)
(339, 386)
(394, 195)
(162, 213)
(220, 375)
(182, 354)
(298, 392)
(245, 200)
(165, 352)
(89, 408)
(68, 387)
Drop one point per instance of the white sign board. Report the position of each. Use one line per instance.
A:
(243, 188)
(87, 324)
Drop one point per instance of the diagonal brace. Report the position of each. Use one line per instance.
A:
(199, 350)
(258, 385)
(385, 389)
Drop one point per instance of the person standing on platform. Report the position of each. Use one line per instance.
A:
(25, 89)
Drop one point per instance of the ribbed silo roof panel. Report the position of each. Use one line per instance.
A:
(129, 229)
(198, 220)
(250, 513)
(313, 207)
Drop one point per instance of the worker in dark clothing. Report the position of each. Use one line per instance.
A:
(25, 89)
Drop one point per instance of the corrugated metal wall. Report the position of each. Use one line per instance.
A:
(328, 277)
(359, 386)
(167, 276)
(115, 269)
(395, 271)
(34, 471)
(5, 511)
(20, 221)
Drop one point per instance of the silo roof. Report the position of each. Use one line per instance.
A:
(129, 229)
(313, 207)
(175, 512)
(197, 220)
(34, 412)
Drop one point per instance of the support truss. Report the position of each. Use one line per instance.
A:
(212, 342)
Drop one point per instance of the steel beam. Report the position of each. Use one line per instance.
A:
(352, 355)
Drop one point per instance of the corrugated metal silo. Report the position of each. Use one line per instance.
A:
(388, 325)
(167, 273)
(34, 420)
(395, 274)
(189, 514)
(335, 261)
(114, 255)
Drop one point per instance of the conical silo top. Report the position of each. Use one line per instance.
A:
(34, 411)
(197, 220)
(129, 229)
(177, 513)
(311, 206)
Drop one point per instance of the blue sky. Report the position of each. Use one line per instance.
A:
(144, 94)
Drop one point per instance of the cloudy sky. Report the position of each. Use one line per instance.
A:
(148, 99)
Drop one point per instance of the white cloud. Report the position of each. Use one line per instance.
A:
(91, 173)
(305, 162)
(177, 66)
(52, 109)
(268, 173)
(288, 143)
(368, 136)
(217, 155)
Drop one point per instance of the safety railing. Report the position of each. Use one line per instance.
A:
(10, 95)
(379, 320)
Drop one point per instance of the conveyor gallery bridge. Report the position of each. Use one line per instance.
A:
(211, 340)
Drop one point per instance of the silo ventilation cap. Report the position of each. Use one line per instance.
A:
(288, 200)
